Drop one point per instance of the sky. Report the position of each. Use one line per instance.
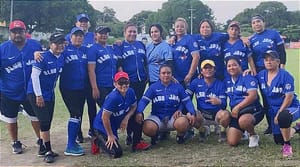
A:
(222, 9)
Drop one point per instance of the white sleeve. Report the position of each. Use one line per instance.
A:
(35, 76)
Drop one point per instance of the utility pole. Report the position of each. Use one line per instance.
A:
(11, 10)
(191, 17)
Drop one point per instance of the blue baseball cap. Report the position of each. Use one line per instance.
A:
(81, 16)
(76, 29)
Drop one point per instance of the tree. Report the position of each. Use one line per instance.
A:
(140, 19)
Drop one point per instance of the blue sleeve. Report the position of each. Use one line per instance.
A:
(186, 100)
(193, 44)
(288, 83)
(40, 65)
(278, 39)
(92, 54)
(148, 96)
(190, 90)
(109, 104)
(118, 50)
(222, 96)
(250, 82)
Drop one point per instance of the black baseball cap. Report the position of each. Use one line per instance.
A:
(272, 53)
(57, 38)
(103, 29)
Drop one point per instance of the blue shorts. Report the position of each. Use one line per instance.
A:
(294, 111)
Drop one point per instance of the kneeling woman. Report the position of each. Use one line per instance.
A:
(167, 99)
(246, 111)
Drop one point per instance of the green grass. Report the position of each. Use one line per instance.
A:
(166, 153)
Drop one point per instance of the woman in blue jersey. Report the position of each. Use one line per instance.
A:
(41, 89)
(133, 61)
(277, 86)
(158, 52)
(114, 114)
(210, 44)
(168, 99)
(73, 82)
(262, 40)
(185, 54)
(211, 98)
(234, 46)
(102, 65)
(246, 111)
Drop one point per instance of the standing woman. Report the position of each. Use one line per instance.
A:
(41, 88)
(158, 52)
(234, 46)
(277, 86)
(210, 44)
(102, 65)
(185, 54)
(133, 61)
(261, 41)
(246, 111)
(72, 87)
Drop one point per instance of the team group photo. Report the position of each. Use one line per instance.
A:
(173, 87)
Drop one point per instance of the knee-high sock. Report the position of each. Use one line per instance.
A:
(73, 127)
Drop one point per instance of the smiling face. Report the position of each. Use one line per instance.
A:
(122, 85)
(130, 33)
(233, 67)
(205, 29)
(165, 74)
(208, 71)
(155, 34)
(77, 38)
(18, 36)
(180, 28)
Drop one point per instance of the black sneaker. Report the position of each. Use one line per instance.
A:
(79, 137)
(49, 157)
(39, 142)
(128, 140)
(268, 131)
(189, 134)
(163, 135)
(17, 147)
(179, 139)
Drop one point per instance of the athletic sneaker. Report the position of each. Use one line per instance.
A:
(203, 133)
(245, 136)
(222, 137)
(189, 134)
(39, 142)
(128, 140)
(287, 150)
(141, 146)
(42, 151)
(78, 146)
(297, 127)
(79, 137)
(180, 139)
(17, 147)
(253, 141)
(49, 157)
(74, 151)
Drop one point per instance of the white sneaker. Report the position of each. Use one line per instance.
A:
(253, 141)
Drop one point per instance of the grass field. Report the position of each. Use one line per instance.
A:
(166, 153)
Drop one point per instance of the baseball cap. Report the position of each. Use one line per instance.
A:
(120, 75)
(17, 24)
(76, 29)
(260, 17)
(57, 37)
(81, 16)
(205, 62)
(272, 53)
(103, 29)
(234, 24)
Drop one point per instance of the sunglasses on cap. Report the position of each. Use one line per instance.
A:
(121, 83)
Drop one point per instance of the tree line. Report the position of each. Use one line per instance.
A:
(46, 16)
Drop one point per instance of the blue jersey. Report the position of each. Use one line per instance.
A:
(182, 56)
(74, 75)
(239, 50)
(118, 106)
(204, 92)
(236, 91)
(165, 100)
(282, 83)
(133, 57)
(15, 68)
(157, 55)
(88, 41)
(106, 60)
(211, 48)
(50, 67)
(260, 43)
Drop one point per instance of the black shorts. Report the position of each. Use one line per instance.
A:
(10, 109)
(256, 111)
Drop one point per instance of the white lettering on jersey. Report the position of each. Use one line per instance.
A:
(182, 49)
(158, 98)
(13, 67)
(277, 90)
(174, 97)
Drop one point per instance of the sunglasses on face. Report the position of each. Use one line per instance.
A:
(121, 83)
(17, 31)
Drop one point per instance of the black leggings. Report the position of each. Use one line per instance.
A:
(74, 100)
